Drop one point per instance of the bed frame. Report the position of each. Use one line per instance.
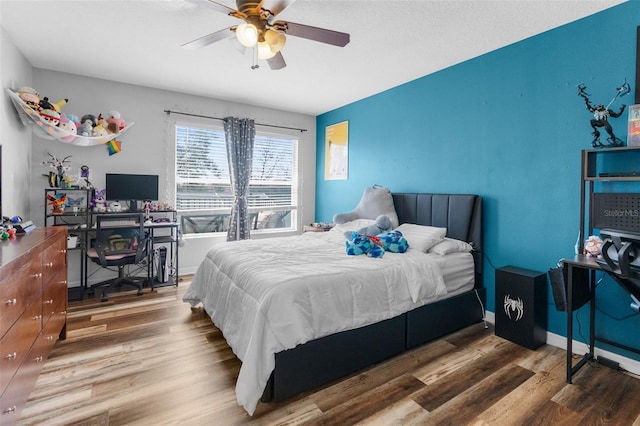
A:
(323, 360)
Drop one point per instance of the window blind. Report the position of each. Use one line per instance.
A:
(202, 172)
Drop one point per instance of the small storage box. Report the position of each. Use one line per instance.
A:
(72, 241)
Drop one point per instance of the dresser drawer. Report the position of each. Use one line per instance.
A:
(20, 289)
(17, 393)
(54, 296)
(54, 259)
(18, 341)
(51, 331)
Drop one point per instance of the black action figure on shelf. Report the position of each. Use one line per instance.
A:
(601, 115)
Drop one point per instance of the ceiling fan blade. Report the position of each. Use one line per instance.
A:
(215, 6)
(209, 39)
(322, 35)
(277, 62)
(276, 6)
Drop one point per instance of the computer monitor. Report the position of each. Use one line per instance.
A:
(121, 187)
(621, 258)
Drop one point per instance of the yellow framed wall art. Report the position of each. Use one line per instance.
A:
(336, 161)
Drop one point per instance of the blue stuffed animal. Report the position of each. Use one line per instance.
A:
(375, 246)
(394, 242)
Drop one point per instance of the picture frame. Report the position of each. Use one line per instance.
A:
(337, 151)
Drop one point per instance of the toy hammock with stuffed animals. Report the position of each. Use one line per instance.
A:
(43, 128)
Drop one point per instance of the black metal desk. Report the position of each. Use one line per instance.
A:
(155, 238)
(585, 263)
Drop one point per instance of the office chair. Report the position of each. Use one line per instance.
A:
(120, 240)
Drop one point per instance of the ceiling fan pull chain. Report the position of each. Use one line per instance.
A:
(255, 64)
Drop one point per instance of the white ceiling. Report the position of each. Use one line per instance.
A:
(392, 42)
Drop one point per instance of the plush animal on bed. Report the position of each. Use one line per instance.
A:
(375, 246)
(375, 201)
(382, 224)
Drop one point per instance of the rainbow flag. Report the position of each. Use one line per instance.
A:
(114, 147)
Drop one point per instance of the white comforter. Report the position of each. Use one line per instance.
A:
(273, 294)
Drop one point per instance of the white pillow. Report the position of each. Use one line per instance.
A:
(450, 245)
(422, 237)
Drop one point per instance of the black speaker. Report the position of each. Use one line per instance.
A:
(521, 306)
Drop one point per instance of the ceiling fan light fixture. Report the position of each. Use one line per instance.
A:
(264, 51)
(247, 34)
(275, 39)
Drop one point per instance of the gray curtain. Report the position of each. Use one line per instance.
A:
(240, 135)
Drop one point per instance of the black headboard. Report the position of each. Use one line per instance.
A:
(461, 214)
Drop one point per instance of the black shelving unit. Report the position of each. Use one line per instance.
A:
(81, 220)
(599, 166)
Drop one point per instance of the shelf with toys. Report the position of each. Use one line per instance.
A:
(78, 209)
(48, 122)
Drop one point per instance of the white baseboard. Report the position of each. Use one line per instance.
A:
(628, 364)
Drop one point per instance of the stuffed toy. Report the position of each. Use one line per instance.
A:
(393, 241)
(382, 224)
(592, 246)
(99, 130)
(115, 119)
(85, 128)
(69, 127)
(375, 246)
(50, 116)
(115, 207)
(30, 97)
(363, 244)
(57, 203)
(58, 105)
(74, 119)
(375, 201)
(87, 123)
(46, 104)
(99, 203)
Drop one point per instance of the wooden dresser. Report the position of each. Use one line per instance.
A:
(33, 311)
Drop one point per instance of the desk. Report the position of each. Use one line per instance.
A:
(170, 238)
(589, 264)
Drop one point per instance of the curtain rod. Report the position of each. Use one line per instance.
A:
(169, 112)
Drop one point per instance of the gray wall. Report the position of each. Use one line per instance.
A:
(15, 138)
(147, 147)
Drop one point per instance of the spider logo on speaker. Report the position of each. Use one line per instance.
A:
(515, 306)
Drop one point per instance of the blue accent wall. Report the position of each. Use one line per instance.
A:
(509, 126)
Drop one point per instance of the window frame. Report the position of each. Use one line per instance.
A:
(296, 184)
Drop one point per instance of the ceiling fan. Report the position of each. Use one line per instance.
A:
(261, 31)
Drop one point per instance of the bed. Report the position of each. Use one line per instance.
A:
(299, 313)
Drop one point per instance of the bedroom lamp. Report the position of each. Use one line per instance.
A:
(247, 34)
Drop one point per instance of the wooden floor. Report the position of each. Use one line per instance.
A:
(151, 360)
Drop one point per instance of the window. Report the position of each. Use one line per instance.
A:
(203, 188)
